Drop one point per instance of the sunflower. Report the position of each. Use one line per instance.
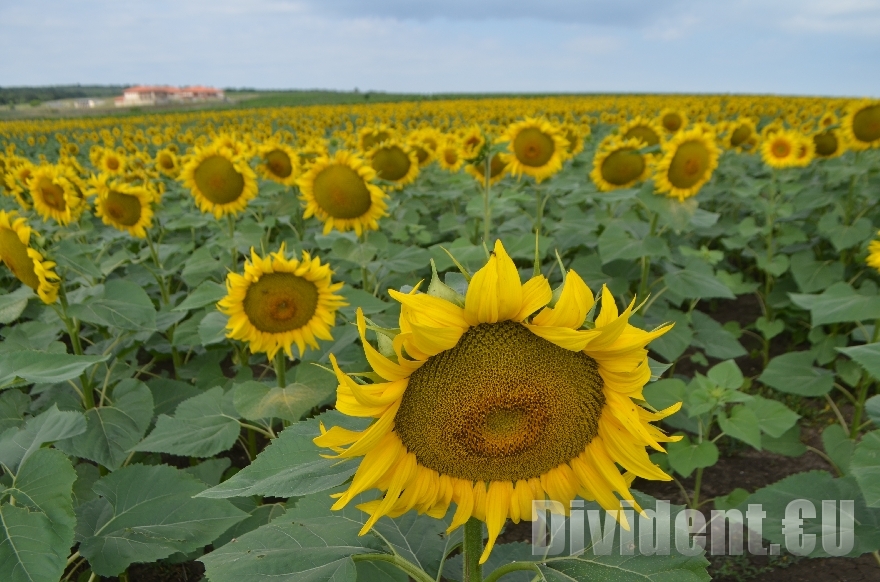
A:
(739, 133)
(689, 159)
(828, 144)
(472, 142)
(220, 181)
(873, 259)
(619, 164)
(536, 148)
(311, 152)
(394, 163)
(861, 124)
(112, 162)
(279, 162)
(639, 127)
(497, 168)
(495, 399)
(371, 136)
(449, 155)
(424, 144)
(574, 134)
(54, 194)
(125, 207)
(340, 192)
(805, 151)
(25, 262)
(16, 179)
(279, 302)
(167, 162)
(780, 148)
(672, 120)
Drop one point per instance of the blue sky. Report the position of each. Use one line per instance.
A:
(822, 47)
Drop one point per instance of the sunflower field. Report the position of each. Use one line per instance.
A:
(359, 343)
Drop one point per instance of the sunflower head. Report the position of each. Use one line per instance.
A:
(472, 142)
(278, 302)
(873, 259)
(828, 144)
(641, 128)
(167, 162)
(112, 162)
(688, 161)
(339, 191)
(780, 149)
(500, 398)
(394, 162)
(221, 182)
(55, 194)
(126, 207)
(279, 162)
(672, 120)
(619, 164)
(498, 166)
(535, 147)
(371, 136)
(862, 124)
(25, 262)
(449, 154)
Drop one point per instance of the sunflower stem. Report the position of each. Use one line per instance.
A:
(230, 219)
(281, 369)
(73, 331)
(472, 549)
(698, 481)
(487, 207)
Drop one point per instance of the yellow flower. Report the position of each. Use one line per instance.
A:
(112, 162)
(279, 302)
(739, 134)
(672, 120)
(449, 155)
(497, 399)
(340, 192)
(221, 182)
(25, 262)
(828, 144)
(54, 194)
(279, 162)
(371, 136)
(536, 148)
(861, 125)
(125, 207)
(689, 159)
(472, 142)
(394, 163)
(167, 162)
(619, 164)
(650, 132)
(780, 148)
(498, 166)
(874, 254)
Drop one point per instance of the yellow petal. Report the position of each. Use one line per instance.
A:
(379, 363)
(571, 310)
(497, 505)
(565, 337)
(536, 294)
(495, 292)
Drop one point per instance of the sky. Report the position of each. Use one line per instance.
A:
(815, 47)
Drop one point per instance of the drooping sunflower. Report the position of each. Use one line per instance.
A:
(494, 400)
(54, 194)
(126, 207)
(449, 155)
(167, 162)
(861, 125)
(278, 162)
(279, 302)
(828, 144)
(340, 192)
(26, 262)
(394, 162)
(672, 120)
(498, 167)
(779, 149)
(535, 147)
(619, 164)
(689, 159)
(220, 181)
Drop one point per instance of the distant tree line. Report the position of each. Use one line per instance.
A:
(20, 95)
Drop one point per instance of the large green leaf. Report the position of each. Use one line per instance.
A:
(202, 426)
(28, 547)
(16, 445)
(308, 550)
(12, 304)
(124, 305)
(794, 373)
(812, 276)
(742, 424)
(112, 430)
(13, 405)
(145, 513)
(867, 356)
(837, 304)
(865, 467)
(696, 285)
(44, 367)
(774, 417)
(714, 339)
(685, 456)
(205, 294)
(255, 400)
(636, 568)
(292, 464)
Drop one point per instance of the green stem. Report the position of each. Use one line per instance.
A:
(281, 369)
(73, 331)
(230, 219)
(771, 223)
(160, 278)
(646, 262)
(512, 567)
(252, 444)
(487, 208)
(406, 566)
(698, 481)
(472, 549)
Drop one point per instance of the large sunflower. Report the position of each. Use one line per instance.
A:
(220, 181)
(279, 302)
(340, 192)
(498, 166)
(54, 194)
(123, 206)
(394, 162)
(619, 164)
(536, 148)
(861, 125)
(449, 154)
(496, 399)
(25, 262)
(278, 162)
(779, 149)
(647, 130)
(689, 159)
